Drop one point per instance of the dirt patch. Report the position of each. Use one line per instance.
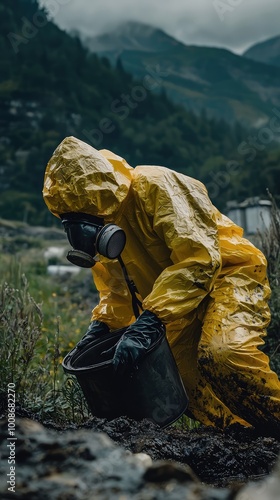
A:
(218, 458)
(86, 465)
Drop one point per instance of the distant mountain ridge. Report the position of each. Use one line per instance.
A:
(132, 36)
(227, 86)
(267, 52)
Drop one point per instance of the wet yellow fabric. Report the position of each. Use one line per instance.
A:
(74, 172)
(192, 268)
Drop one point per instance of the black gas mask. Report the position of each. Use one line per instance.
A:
(88, 236)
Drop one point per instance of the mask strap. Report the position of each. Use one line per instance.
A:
(136, 303)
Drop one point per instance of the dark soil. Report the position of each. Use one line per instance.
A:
(218, 458)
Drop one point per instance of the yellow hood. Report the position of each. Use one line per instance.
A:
(79, 178)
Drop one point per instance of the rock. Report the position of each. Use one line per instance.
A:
(268, 489)
(165, 471)
(85, 465)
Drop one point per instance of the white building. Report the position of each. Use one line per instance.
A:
(253, 214)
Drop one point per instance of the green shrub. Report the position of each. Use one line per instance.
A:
(20, 329)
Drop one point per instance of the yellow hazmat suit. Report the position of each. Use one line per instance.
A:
(192, 268)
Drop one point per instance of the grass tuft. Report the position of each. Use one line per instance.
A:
(31, 360)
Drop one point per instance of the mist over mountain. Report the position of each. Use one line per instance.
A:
(132, 36)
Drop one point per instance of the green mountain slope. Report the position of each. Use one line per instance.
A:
(51, 87)
(267, 52)
(227, 86)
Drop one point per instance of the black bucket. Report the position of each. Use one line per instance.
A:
(153, 389)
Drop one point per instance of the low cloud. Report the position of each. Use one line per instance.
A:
(233, 24)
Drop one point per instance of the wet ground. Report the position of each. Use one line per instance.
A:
(219, 458)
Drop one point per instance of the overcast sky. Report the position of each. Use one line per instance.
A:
(233, 24)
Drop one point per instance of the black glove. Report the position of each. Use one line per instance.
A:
(136, 340)
(95, 330)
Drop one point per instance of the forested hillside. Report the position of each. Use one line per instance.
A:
(51, 87)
